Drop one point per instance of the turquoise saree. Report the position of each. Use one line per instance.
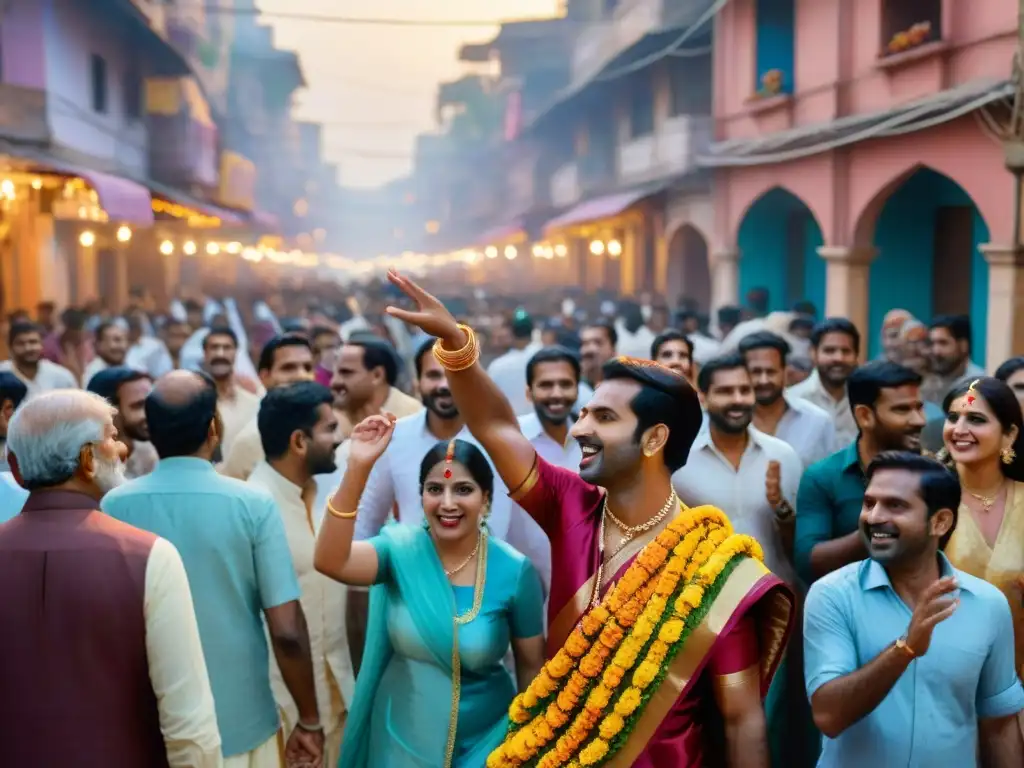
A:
(412, 709)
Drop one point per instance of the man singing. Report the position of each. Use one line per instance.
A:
(651, 620)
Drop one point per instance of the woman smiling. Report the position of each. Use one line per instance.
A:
(447, 602)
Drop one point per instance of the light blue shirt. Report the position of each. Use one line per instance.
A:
(232, 541)
(12, 497)
(930, 717)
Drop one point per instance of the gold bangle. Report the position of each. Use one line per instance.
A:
(460, 359)
(340, 515)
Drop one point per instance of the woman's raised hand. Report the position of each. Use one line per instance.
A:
(430, 315)
(371, 438)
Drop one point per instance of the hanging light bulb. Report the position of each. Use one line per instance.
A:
(124, 234)
(561, 250)
(166, 247)
(189, 248)
(87, 239)
(511, 252)
(212, 248)
(234, 248)
(597, 247)
(614, 248)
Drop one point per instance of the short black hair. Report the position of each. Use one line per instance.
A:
(322, 330)
(1010, 367)
(805, 307)
(103, 327)
(220, 330)
(521, 325)
(286, 410)
(670, 335)
(959, 326)
(939, 487)
(835, 325)
(181, 428)
(424, 348)
(108, 382)
(377, 353)
(866, 383)
(74, 319)
(555, 354)
(22, 329)
(730, 315)
(269, 352)
(729, 362)
(608, 328)
(666, 398)
(765, 340)
(12, 388)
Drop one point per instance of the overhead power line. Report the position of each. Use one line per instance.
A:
(224, 10)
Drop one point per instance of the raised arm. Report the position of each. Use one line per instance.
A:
(336, 555)
(488, 414)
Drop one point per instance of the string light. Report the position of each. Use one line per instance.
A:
(491, 252)
(510, 252)
(212, 248)
(561, 251)
(614, 249)
(87, 239)
(189, 248)
(124, 234)
(597, 247)
(166, 247)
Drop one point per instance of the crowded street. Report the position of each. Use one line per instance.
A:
(625, 422)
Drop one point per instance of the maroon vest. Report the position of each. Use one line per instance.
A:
(74, 675)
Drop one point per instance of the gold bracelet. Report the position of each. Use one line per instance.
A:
(340, 515)
(460, 359)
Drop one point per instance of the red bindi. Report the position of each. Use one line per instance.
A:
(447, 474)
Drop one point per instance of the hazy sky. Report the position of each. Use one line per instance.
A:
(374, 87)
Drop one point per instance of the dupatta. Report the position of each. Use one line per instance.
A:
(417, 580)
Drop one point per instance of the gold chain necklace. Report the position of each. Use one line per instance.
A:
(628, 532)
(987, 502)
(451, 572)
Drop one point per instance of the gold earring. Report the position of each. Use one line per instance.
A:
(1008, 455)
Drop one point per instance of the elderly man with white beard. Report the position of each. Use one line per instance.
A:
(99, 614)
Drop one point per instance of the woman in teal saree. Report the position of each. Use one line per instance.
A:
(447, 601)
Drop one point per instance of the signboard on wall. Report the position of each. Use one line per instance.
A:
(237, 182)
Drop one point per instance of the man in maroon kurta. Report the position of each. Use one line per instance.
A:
(100, 659)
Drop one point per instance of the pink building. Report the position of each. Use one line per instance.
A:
(857, 161)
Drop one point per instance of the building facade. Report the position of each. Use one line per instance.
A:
(857, 161)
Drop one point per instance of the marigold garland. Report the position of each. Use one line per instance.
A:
(588, 697)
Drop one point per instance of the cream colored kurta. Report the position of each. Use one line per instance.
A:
(235, 413)
(323, 602)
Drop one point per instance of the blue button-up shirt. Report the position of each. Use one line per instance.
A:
(232, 541)
(930, 717)
(12, 497)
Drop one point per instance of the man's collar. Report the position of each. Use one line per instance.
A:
(875, 575)
(266, 473)
(532, 427)
(851, 457)
(704, 439)
(185, 464)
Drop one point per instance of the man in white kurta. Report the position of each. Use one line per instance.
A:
(299, 432)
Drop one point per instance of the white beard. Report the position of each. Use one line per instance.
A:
(110, 474)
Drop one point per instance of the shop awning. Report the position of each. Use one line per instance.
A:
(598, 208)
(122, 199)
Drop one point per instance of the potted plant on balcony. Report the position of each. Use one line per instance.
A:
(911, 37)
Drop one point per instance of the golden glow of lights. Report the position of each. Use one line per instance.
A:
(7, 187)
(166, 247)
(511, 252)
(37, 184)
(538, 251)
(124, 234)
(597, 247)
(193, 217)
(614, 249)
(491, 252)
(561, 251)
(212, 248)
(87, 239)
(233, 248)
(189, 248)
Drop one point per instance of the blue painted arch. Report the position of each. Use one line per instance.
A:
(903, 274)
(778, 242)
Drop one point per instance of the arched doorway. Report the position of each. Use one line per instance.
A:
(778, 242)
(689, 274)
(927, 234)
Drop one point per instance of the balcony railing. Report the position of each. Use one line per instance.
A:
(565, 185)
(670, 151)
(598, 45)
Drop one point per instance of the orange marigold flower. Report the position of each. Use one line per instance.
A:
(613, 675)
(611, 726)
(611, 635)
(645, 675)
(628, 702)
(599, 698)
(560, 665)
(594, 752)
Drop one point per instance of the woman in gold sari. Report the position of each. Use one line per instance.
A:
(983, 440)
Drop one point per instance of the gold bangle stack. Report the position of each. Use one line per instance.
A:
(460, 359)
(340, 515)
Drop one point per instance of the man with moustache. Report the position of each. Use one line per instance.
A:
(674, 350)
(365, 374)
(127, 390)
(598, 342)
(299, 431)
(949, 356)
(885, 399)
(805, 426)
(25, 341)
(909, 660)
(100, 656)
(236, 405)
(552, 386)
(835, 344)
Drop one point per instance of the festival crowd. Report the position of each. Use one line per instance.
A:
(401, 532)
